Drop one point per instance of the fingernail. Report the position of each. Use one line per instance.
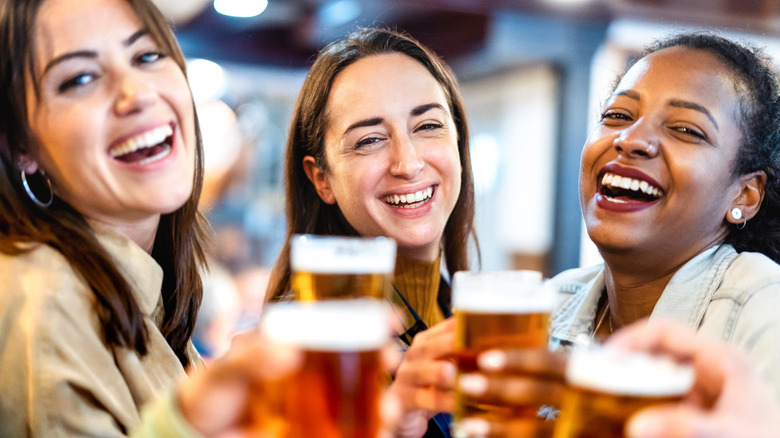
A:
(450, 371)
(492, 360)
(473, 427)
(473, 384)
(641, 426)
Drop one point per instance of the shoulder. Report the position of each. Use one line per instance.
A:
(751, 276)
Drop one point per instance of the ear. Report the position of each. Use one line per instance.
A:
(318, 177)
(27, 164)
(749, 197)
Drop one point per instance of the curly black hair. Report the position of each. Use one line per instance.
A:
(755, 79)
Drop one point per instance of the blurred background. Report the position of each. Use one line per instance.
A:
(533, 74)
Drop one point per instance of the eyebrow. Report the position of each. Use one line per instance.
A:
(416, 111)
(678, 103)
(90, 53)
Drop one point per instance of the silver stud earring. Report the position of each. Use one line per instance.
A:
(736, 213)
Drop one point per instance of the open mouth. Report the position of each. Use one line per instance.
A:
(623, 189)
(145, 148)
(410, 200)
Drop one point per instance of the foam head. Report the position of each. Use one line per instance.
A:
(355, 325)
(501, 292)
(606, 370)
(342, 255)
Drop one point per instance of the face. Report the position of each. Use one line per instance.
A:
(114, 119)
(656, 173)
(392, 152)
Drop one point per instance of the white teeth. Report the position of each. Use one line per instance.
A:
(144, 140)
(409, 200)
(626, 183)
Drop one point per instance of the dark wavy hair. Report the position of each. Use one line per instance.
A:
(181, 235)
(306, 212)
(756, 82)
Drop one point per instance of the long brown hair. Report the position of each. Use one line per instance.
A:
(181, 235)
(306, 212)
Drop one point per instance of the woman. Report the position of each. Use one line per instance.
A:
(101, 243)
(378, 146)
(679, 187)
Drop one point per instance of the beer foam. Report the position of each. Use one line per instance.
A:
(333, 325)
(342, 255)
(501, 292)
(618, 372)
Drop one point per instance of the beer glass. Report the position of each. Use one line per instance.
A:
(336, 391)
(503, 309)
(604, 387)
(335, 267)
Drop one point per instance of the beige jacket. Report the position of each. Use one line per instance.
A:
(57, 376)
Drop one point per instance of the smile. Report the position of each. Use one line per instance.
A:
(623, 189)
(146, 147)
(410, 200)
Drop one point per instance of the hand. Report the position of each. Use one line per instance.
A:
(425, 379)
(524, 380)
(215, 400)
(728, 399)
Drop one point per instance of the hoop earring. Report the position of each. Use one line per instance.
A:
(32, 196)
(743, 225)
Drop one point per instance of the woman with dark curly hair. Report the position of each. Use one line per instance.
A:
(679, 188)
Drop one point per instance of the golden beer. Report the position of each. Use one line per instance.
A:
(332, 267)
(508, 309)
(337, 389)
(605, 388)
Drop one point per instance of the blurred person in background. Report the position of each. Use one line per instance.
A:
(379, 146)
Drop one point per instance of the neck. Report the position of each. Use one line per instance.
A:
(427, 253)
(632, 297)
(142, 233)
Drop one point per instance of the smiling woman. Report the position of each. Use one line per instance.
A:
(678, 180)
(101, 243)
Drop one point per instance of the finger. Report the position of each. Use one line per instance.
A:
(434, 400)
(439, 374)
(511, 390)
(515, 427)
(436, 342)
(675, 421)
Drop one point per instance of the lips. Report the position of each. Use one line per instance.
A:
(410, 200)
(623, 189)
(146, 147)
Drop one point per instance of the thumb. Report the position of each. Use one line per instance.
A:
(672, 421)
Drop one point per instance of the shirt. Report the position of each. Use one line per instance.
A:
(58, 378)
(733, 297)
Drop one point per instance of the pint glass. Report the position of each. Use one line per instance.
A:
(336, 392)
(334, 267)
(605, 387)
(505, 309)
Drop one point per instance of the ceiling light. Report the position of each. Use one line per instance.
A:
(240, 8)
(207, 80)
(339, 12)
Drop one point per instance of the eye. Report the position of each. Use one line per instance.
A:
(688, 131)
(614, 115)
(429, 126)
(367, 141)
(76, 81)
(149, 57)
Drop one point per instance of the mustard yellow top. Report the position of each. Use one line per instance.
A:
(419, 283)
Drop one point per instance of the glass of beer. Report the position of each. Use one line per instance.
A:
(336, 267)
(336, 391)
(503, 309)
(604, 387)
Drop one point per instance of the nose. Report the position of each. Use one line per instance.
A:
(133, 94)
(406, 161)
(637, 142)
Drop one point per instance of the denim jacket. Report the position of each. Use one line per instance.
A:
(734, 297)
